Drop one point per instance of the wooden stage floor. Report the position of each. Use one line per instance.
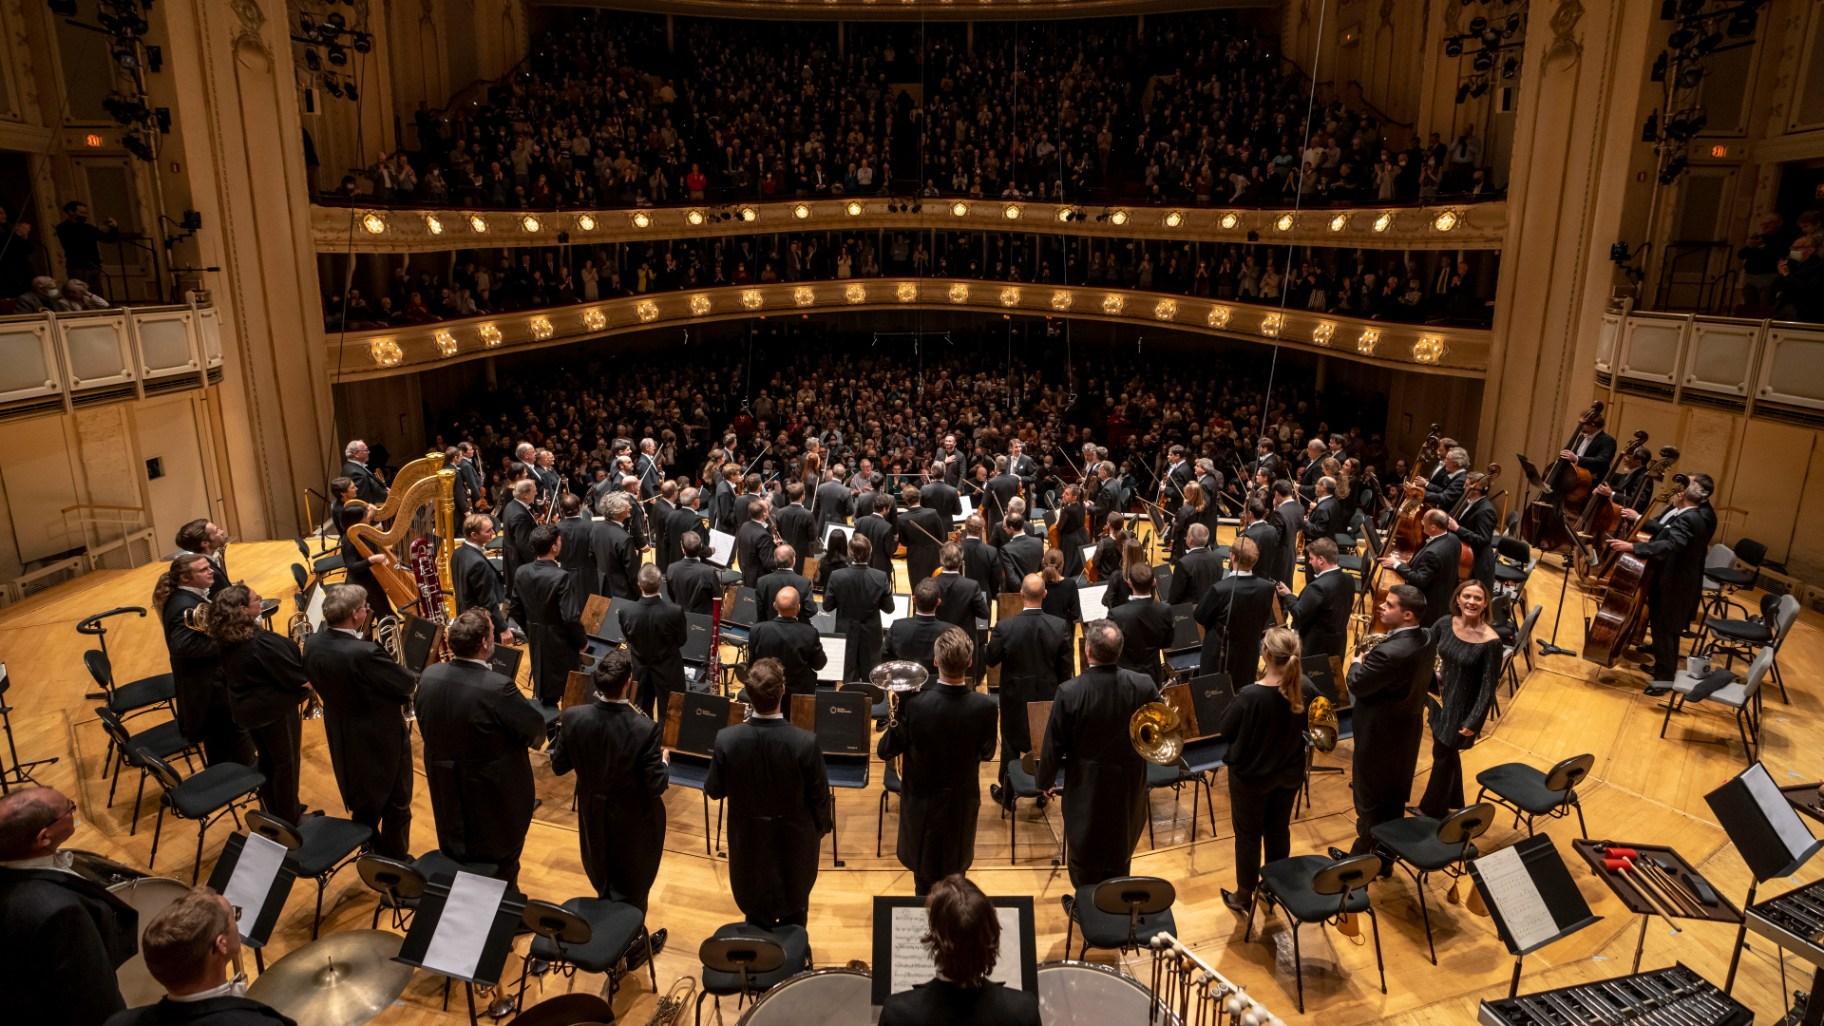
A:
(1643, 789)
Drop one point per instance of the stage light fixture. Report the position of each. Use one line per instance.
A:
(477, 224)
(433, 224)
(529, 223)
(373, 223)
(853, 208)
(1384, 222)
(586, 222)
(1011, 211)
(694, 218)
(1118, 218)
(1229, 220)
(1284, 222)
(959, 209)
(801, 211)
(641, 219)
(749, 214)
(1446, 221)
(1339, 222)
(1174, 219)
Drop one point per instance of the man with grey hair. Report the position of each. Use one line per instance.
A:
(44, 295)
(1678, 540)
(65, 934)
(687, 518)
(77, 297)
(368, 486)
(1104, 778)
(517, 522)
(365, 693)
(617, 556)
(646, 468)
(1446, 484)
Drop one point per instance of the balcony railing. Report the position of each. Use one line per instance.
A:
(1455, 226)
(1761, 366)
(1453, 351)
(52, 362)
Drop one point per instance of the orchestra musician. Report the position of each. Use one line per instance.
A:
(857, 594)
(832, 502)
(204, 714)
(1104, 777)
(981, 560)
(960, 600)
(692, 583)
(795, 528)
(1320, 613)
(478, 734)
(881, 533)
(687, 518)
(912, 638)
(952, 462)
(1590, 447)
(266, 686)
(754, 543)
(656, 631)
(1111, 549)
(368, 486)
(341, 493)
(192, 947)
(1434, 567)
(944, 730)
(1023, 552)
(789, 639)
(65, 934)
(1021, 465)
(550, 482)
(517, 521)
(1264, 728)
(359, 569)
(1177, 475)
(1192, 511)
(205, 539)
(476, 579)
(1073, 529)
(1327, 518)
(467, 469)
(1062, 598)
(1291, 514)
(778, 793)
(615, 552)
(1266, 459)
(1388, 686)
(663, 505)
(1146, 626)
(941, 497)
(1677, 542)
(620, 784)
(1469, 668)
(541, 594)
(723, 509)
(577, 553)
(781, 577)
(1315, 454)
(1626, 481)
(1210, 480)
(922, 531)
(646, 468)
(365, 693)
(1033, 650)
(1234, 613)
(1264, 533)
(1111, 495)
(1476, 526)
(1446, 484)
(1198, 568)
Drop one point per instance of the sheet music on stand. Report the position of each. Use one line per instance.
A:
(1092, 600)
(1762, 824)
(1531, 897)
(251, 873)
(835, 651)
(902, 608)
(463, 928)
(901, 961)
(721, 548)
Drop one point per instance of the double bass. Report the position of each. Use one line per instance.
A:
(1568, 487)
(1601, 514)
(1621, 619)
(1466, 558)
(1406, 535)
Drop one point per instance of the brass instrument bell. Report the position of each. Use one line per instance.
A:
(1157, 733)
(1321, 725)
(197, 617)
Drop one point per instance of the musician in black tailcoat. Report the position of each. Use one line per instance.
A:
(1591, 448)
(1197, 571)
(1235, 613)
(478, 731)
(1022, 466)
(686, 519)
(1073, 529)
(790, 640)
(368, 486)
(692, 583)
(981, 561)
(663, 506)
(1266, 537)
(193, 949)
(1146, 626)
(832, 502)
(1678, 540)
(540, 596)
(1023, 553)
(1388, 686)
(365, 693)
(204, 715)
(1108, 557)
(944, 730)
(266, 685)
(1434, 567)
(1178, 473)
(754, 543)
(1104, 778)
(857, 594)
(1033, 650)
(922, 532)
(963, 940)
(882, 535)
(1327, 518)
(796, 526)
(476, 579)
(646, 468)
(577, 555)
(1001, 489)
(1475, 527)
(913, 637)
(1320, 613)
(65, 934)
(516, 522)
(616, 554)
(960, 600)
(656, 631)
(778, 794)
(942, 498)
(620, 784)
(1446, 484)
(783, 576)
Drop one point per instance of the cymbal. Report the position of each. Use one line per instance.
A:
(898, 675)
(344, 979)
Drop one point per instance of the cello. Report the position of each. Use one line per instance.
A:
(1567, 490)
(1406, 535)
(1621, 619)
(1601, 515)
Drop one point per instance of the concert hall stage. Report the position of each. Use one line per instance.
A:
(1642, 789)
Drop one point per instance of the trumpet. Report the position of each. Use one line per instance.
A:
(675, 1003)
(1157, 733)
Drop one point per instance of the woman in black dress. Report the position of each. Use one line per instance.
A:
(835, 557)
(1060, 590)
(1191, 512)
(1264, 727)
(266, 686)
(1469, 657)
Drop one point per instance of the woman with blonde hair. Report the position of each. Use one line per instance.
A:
(1061, 597)
(1264, 727)
(1469, 655)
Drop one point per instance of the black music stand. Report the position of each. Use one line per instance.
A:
(1767, 832)
(1552, 647)
(16, 772)
(231, 879)
(1534, 909)
(900, 922)
(418, 951)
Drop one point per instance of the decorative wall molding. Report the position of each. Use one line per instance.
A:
(1477, 226)
(1448, 351)
(250, 38)
(1567, 42)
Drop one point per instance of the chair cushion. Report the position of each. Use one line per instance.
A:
(326, 565)
(1019, 782)
(1730, 576)
(1109, 930)
(1732, 694)
(1414, 840)
(846, 771)
(1165, 776)
(162, 741)
(1205, 755)
(1288, 881)
(141, 693)
(549, 713)
(1747, 631)
(327, 841)
(687, 771)
(214, 787)
(1503, 572)
(613, 926)
(793, 939)
(1522, 785)
(435, 862)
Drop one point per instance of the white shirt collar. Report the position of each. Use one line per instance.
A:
(201, 593)
(1332, 570)
(474, 546)
(779, 715)
(1402, 630)
(58, 860)
(350, 631)
(227, 989)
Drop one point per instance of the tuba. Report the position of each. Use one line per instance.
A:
(1157, 733)
(1320, 724)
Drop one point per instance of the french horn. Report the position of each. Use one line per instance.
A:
(1320, 724)
(1157, 733)
(197, 617)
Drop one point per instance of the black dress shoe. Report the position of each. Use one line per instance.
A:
(637, 957)
(1337, 853)
(1069, 902)
(1656, 690)
(1238, 902)
(994, 792)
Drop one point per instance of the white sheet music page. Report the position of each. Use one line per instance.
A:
(835, 651)
(1512, 890)
(1779, 812)
(721, 547)
(912, 964)
(254, 872)
(468, 916)
(902, 608)
(1091, 599)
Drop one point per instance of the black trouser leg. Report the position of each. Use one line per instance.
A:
(391, 818)
(1276, 823)
(277, 747)
(1444, 793)
(1247, 814)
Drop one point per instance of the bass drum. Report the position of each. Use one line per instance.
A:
(1089, 994)
(149, 896)
(822, 997)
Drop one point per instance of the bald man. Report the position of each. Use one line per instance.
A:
(792, 639)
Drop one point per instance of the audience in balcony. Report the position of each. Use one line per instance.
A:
(1784, 270)
(1377, 284)
(46, 295)
(1198, 110)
